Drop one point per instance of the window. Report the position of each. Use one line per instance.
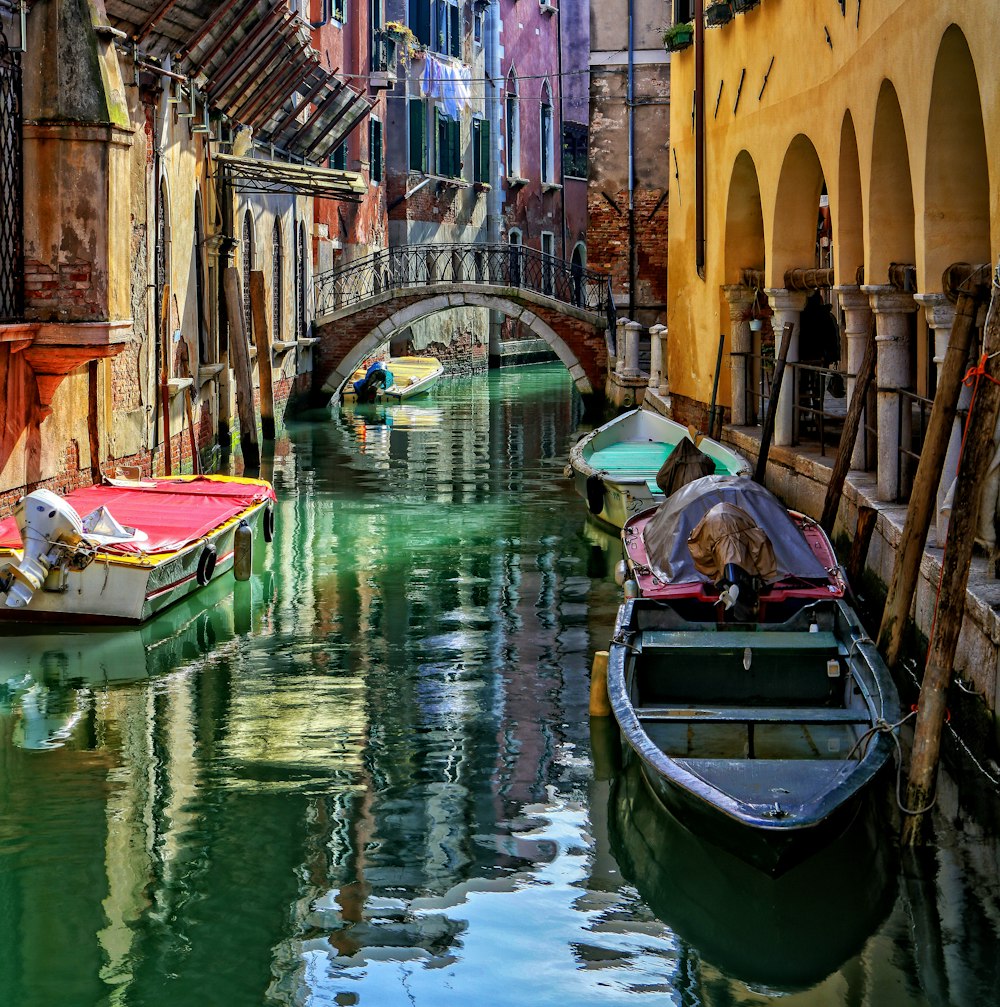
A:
(300, 284)
(480, 150)
(477, 27)
(575, 139)
(512, 106)
(375, 149)
(437, 24)
(449, 145)
(683, 11)
(199, 282)
(338, 159)
(547, 153)
(339, 10)
(514, 257)
(276, 281)
(418, 135)
(548, 262)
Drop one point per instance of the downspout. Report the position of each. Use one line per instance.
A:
(630, 102)
(699, 136)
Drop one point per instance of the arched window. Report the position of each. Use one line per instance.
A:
(547, 153)
(248, 264)
(277, 278)
(512, 106)
(300, 284)
(577, 270)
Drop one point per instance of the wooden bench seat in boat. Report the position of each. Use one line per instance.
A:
(739, 640)
(750, 714)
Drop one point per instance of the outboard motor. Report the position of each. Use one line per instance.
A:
(739, 593)
(375, 377)
(50, 530)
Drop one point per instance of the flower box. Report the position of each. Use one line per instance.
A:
(742, 6)
(718, 13)
(678, 36)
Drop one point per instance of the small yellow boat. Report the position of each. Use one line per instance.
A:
(395, 378)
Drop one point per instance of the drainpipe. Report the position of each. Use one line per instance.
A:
(562, 162)
(630, 102)
(699, 136)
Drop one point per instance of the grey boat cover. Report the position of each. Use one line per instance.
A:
(667, 531)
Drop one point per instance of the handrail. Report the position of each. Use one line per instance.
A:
(497, 265)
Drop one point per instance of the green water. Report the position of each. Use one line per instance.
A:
(369, 776)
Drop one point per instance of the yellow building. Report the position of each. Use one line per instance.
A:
(854, 138)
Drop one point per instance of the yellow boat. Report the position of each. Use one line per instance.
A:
(410, 376)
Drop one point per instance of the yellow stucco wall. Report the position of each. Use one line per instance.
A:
(896, 110)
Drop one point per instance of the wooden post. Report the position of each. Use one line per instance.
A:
(715, 386)
(165, 377)
(976, 456)
(262, 339)
(852, 422)
(240, 355)
(923, 497)
(772, 406)
(192, 434)
(600, 704)
(867, 517)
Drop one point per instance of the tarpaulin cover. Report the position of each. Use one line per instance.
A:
(667, 533)
(172, 512)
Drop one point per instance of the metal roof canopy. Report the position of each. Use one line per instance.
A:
(255, 61)
(251, 174)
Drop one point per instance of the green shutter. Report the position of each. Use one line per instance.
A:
(418, 136)
(455, 129)
(483, 150)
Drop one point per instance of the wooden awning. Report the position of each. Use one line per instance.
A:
(254, 61)
(251, 174)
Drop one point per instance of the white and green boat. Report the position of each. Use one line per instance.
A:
(615, 466)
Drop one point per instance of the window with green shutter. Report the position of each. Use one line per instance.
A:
(449, 145)
(420, 20)
(418, 135)
(480, 150)
(375, 149)
(338, 159)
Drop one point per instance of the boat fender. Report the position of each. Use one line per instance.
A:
(243, 550)
(595, 494)
(206, 564)
(269, 523)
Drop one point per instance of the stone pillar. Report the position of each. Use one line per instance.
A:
(892, 373)
(657, 358)
(857, 322)
(741, 299)
(632, 331)
(664, 388)
(620, 345)
(940, 314)
(787, 307)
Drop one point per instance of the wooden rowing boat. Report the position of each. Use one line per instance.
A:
(410, 377)
(757, 706)
(615, 466)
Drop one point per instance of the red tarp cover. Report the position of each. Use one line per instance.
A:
(172, 512)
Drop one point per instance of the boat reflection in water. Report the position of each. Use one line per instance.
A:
(783, 933)
(49, 677)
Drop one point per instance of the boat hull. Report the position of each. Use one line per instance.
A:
(747, 737)
(413, 376)
(116, 589)
(615, 466)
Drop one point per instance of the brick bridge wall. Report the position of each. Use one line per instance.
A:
(351, 334)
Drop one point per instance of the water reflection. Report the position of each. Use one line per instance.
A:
(377, 783)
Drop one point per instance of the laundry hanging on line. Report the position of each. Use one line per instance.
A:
(448, 82)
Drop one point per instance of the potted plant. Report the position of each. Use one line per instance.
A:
(742, 6)
(403, 36)
(678, 36)
(718, 12)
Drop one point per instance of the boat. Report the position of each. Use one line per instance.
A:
(120, 551)
(741, 678)
(395, 379)
(615, 466)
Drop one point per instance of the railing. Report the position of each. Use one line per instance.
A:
(11, 185)
(498, 265)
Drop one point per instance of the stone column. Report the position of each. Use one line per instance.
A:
(632, 331)
(664, 388)
(940, 314)
(892, 373)
(657, 358)
(741, 299)
(787, 306)
(857, 322)
(620, 345)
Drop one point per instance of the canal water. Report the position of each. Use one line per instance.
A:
(368, 776)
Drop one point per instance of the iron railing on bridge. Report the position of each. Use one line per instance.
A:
(498, 265)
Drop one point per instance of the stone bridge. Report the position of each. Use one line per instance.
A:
(359, 307)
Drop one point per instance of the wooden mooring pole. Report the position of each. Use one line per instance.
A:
(977, 453)
(772, 405)
(262, 340)
(852, 423)
(923, 497)
(239, 353)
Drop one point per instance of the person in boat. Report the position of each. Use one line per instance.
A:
(378, 376)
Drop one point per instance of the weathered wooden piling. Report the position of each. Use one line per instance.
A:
(600, 704)
(239, 353)
(262, 340)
